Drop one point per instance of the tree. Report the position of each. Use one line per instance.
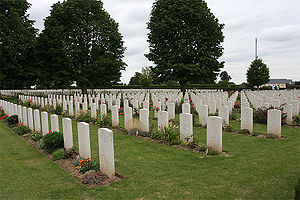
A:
(135, 80)
(225, 76)
(258, 73)
(17, 46)
(145, 79)
(84, 45)
(184, 42)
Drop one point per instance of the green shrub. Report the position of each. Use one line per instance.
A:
(85, 165)
(103, 120)
(12, 120)
(58, 110)
(296, 120)
(255, 134)
(40, 144)
(21, 129)
(53, 141)
(2, 113)
(244, 132)
(260, 115)
(84, 117)
(169, 134)
(36, 136)
(227, 128)
(70, 153)
(58, 154)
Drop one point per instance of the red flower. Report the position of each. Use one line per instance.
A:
(121, 113)
(190, 100)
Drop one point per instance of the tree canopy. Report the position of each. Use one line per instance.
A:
(225, 76)
(135, 80)
(17, 46)
(258, 73)
(81, 43)
(145, 79)
(185, 42)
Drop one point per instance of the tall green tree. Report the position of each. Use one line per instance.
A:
(258, 73)
(82, 44)
(145, 79)
(17, 46)
(185, 41)
(224, 76)
(135, 80)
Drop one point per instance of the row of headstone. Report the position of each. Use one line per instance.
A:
(105, 136)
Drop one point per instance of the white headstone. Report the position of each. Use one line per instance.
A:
(37, 121)
(144, 120)
(106, 152)
(67, 132)
(274, 122)
(247, 119)
(186, 127)
(45, 124)
(84, 140)
(54, 123)
(214, 133)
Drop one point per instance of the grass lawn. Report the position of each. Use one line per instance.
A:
(255, 168)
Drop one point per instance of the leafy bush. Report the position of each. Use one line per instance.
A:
(169, 134)
(70, 153)
(178, 107)
(2, 113)
(53, 141)
(36, 136)
(84, 117)
(136, 113)
(21, 129)
(296, 120)
(12, 120)
(85, 165)
(103, 120)
(40, 144)
(260, 115)
(48, 108)
(58, 110)
(227, 128)
(28, 103)
(58, 154)
(244, 132)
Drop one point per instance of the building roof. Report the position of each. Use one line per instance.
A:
(280, 81)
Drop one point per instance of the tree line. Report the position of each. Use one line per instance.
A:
(81, 45)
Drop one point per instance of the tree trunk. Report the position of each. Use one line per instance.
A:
(84, 88)
(183, 87)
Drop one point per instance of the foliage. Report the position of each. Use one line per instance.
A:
(84, 116)
(237, 106)
(136, 113)
(224, 76)
(58, 154)
(53, 141)
(184, 40)
(2, 113)
(17, 46)
(58, 110)
(258, 73)
(296, 120)
(103, 120)
(80, 43)
(21, 129)
(135, 79)
(85, 165)
(36, 136)
(169, 134)
(145, 78)
(178, 107)
(48, 108)
(212, 152)
(28, 103)
(12, 120)
(244, 132)
(227, 128)
(260, 115)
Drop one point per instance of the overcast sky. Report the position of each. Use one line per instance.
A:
(276, 24)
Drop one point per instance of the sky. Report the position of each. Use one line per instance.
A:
(276, 24)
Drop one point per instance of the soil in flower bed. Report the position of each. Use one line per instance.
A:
(91, 178)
